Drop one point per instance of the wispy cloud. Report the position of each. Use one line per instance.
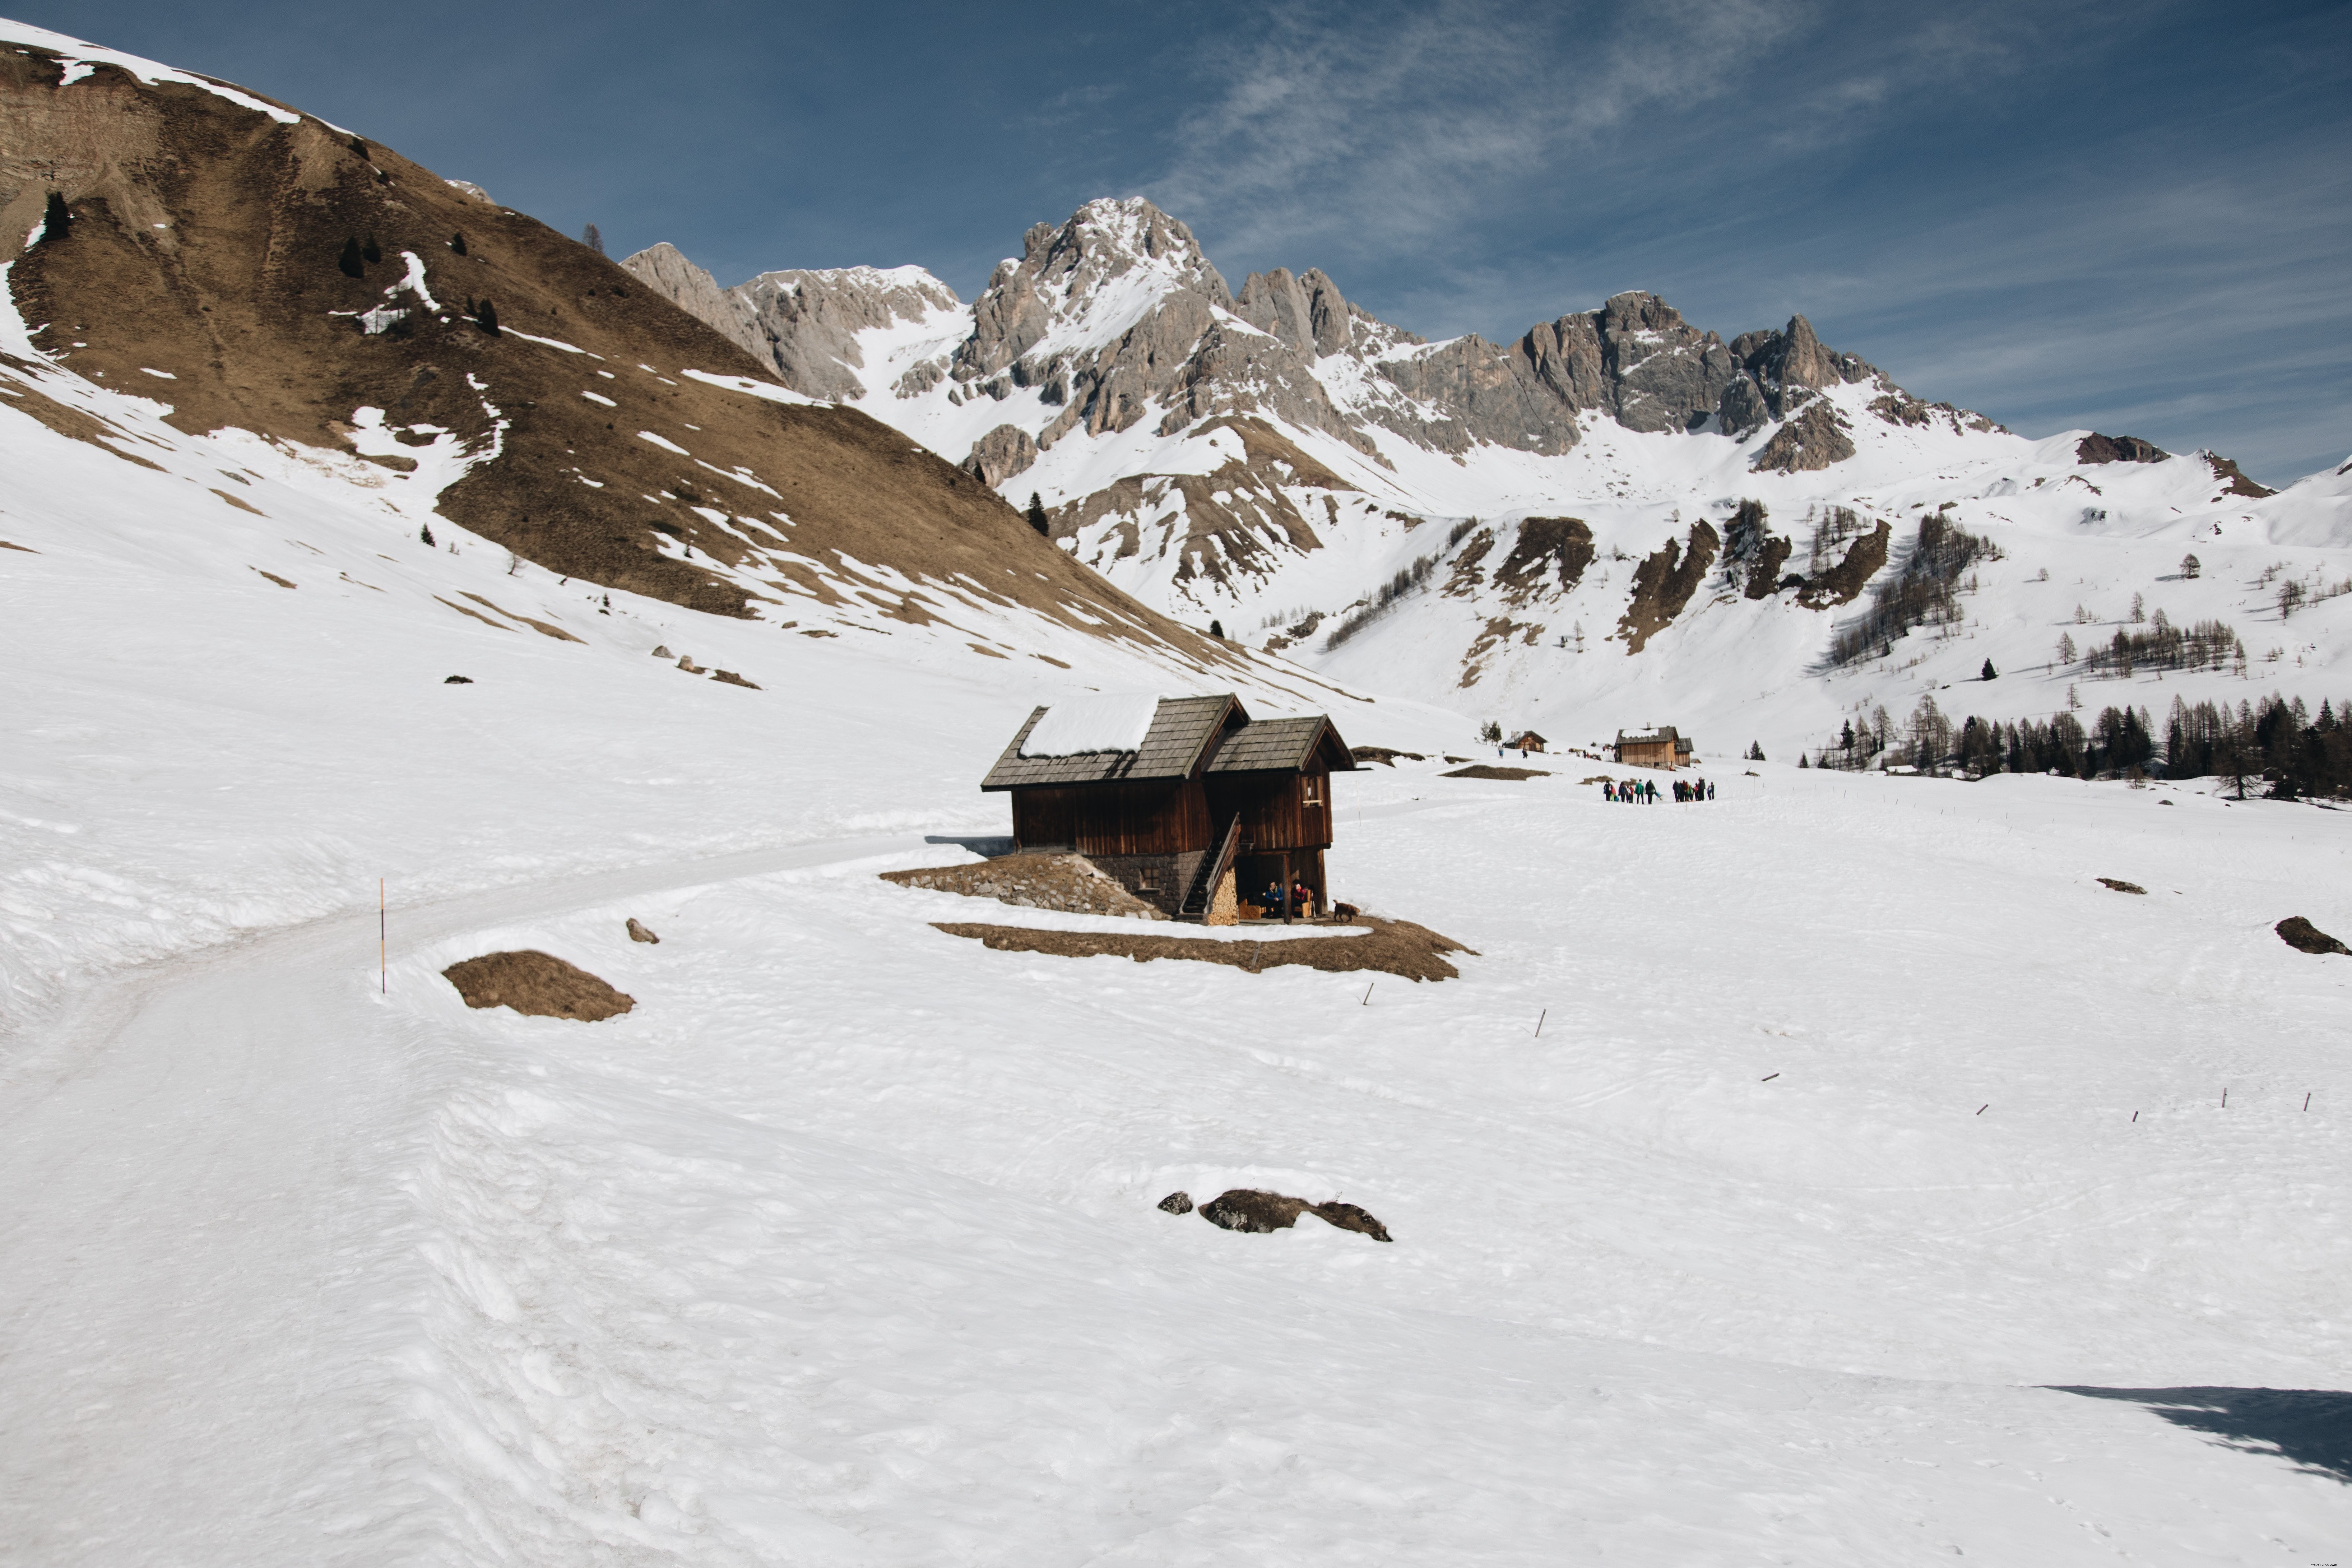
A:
(1387, 126)
(2048, 210)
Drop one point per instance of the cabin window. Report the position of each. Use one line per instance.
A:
(1310, 792)
(1146, 882)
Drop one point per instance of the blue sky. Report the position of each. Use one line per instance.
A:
(2135, 217)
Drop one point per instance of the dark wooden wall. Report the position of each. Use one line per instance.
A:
(1274, 813)
(1156, 818)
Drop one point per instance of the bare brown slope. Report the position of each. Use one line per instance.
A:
(206, 243)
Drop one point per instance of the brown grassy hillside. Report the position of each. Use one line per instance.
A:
(206, 243)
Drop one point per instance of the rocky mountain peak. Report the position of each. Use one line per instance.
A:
(1306, 314)
(804, 321)
(1090, 279)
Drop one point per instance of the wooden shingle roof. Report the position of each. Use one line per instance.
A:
(1188, 736)
(1280, 745)
(1180, 734)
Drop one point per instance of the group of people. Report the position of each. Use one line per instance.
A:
(1644, 792)
(1302, 900)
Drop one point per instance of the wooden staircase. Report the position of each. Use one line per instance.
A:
(1213, 867)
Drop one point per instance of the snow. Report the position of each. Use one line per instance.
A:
(1834, 1173)
(764, 390)
(663, 442)
(1111, 722)
(81, 58)
(545, 343)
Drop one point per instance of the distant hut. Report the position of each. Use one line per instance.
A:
(1663, 747)
(1527, 741)
(1187, 801)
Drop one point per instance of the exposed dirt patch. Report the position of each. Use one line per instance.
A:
(1068, 882)
(275, 578)
(538, 983)
(1664, 582)
(1844, 582)
(1488, 770)
(2121, 887)
(2095, 448)
(541, 627)
(1257, 1213)
(26, 548)
(241, 505)
(1558, 547)
(1384, 756)
(1394, 947)
(640, 933)
(2304, 937)
(1748, 542)
(1495, 634)
(2236, 482)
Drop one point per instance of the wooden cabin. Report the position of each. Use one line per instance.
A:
(1205, 811)
(1526, 740)
(1662, 747)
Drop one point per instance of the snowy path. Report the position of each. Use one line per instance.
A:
(840, 1248)
(206, 1228)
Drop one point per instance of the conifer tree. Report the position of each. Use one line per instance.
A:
(56, 217)
(1755, 751)
(1037, 519)
(424, 535)
(371, 250)
(487, 318)
(458, 242)
(350, 260)
(1217, 630)
(2190, 566)
(593, 240)
(1801, 760)
(1989, 672)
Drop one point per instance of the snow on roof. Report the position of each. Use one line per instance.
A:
(1111, 722)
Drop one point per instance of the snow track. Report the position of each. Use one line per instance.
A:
(214, 1230)
(840, 1249)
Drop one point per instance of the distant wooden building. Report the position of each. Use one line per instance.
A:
(1210, 808)
(1527, 741)
(1663, 747)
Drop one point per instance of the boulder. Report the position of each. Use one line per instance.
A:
(1001, 453)
(2304, 937)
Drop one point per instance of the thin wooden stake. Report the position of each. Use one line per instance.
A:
(1985, 1107)
(2135, 1115)
(1539, 1018)
(1367, 995)
(383, 963)
(1767, 1077)
(2225, 1099)
(2306, 1100)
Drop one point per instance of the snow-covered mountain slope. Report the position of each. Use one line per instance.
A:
(257, 270)
(1913, 1229)
(1542, 535)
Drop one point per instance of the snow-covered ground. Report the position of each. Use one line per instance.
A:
(1760, 1191)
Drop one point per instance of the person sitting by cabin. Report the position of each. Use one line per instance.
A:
(1302, 900)
(1271, 899)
